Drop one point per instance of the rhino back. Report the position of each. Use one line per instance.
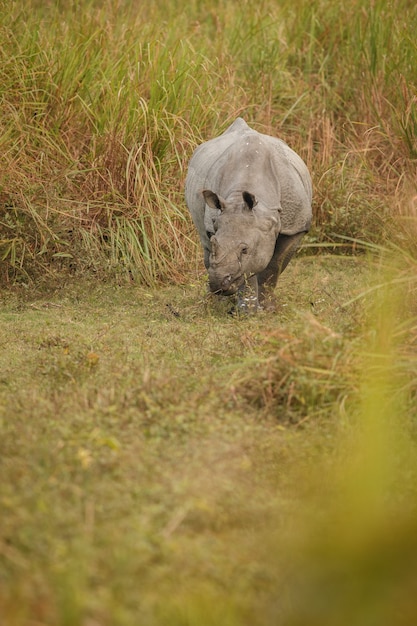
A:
(204, 159)
(296, 188)
(243, 159)
(200, 175)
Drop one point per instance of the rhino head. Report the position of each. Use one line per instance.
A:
(244, 240)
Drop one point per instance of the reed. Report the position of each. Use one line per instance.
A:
(102, 106)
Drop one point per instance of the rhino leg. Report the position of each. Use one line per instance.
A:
(285, 248)
(247, 296)
(206, 257)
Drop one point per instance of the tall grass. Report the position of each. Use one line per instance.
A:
(102, 105)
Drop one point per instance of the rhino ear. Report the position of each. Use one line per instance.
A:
(249, 200)
(213, 200)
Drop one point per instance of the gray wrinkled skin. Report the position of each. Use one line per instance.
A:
(250, 196)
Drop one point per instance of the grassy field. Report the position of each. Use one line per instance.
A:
(164, 463)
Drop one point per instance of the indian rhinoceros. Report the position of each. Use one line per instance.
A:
(249, 195)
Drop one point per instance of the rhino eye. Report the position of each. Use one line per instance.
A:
(244, 250)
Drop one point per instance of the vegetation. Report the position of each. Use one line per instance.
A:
(102, 104)
(163, 462)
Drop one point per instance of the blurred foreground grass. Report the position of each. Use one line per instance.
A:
(163, 463)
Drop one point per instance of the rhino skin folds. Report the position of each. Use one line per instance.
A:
(250, 197)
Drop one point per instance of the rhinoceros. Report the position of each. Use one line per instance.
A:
(249, 196)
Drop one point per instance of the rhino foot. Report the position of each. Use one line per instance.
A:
(248, 304)
(247, 297)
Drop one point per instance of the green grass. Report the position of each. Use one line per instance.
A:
(165, 463)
